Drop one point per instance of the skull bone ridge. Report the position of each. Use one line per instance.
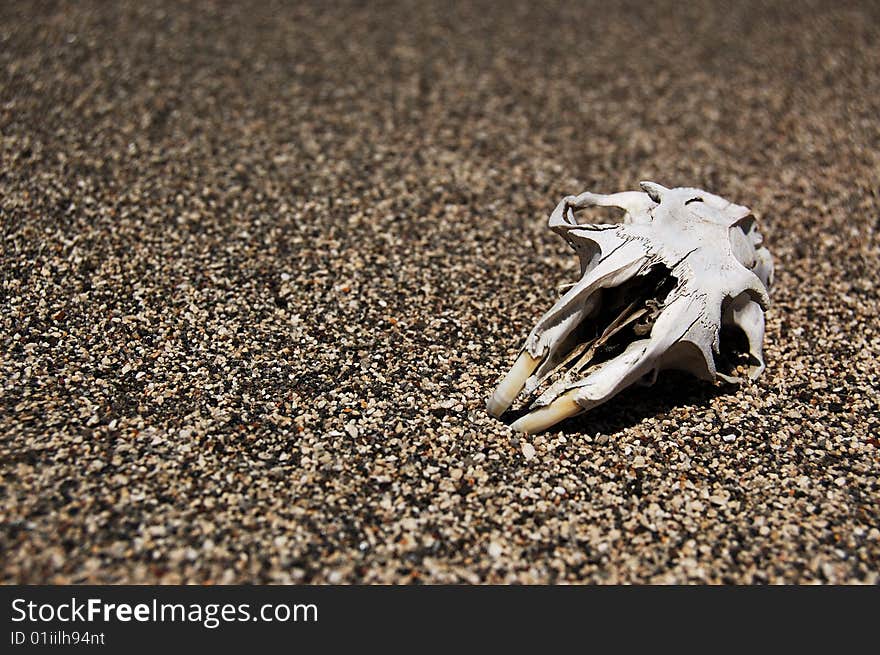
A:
(676, 285)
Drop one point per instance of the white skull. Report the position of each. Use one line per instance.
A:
(655, 293)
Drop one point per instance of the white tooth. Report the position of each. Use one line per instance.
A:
(545, 417)
(512, 384)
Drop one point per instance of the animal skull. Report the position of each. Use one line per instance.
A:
(660, 291)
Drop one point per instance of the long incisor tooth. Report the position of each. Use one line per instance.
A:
(512, 384)
(549, 415)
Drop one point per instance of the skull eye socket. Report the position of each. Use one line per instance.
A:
(694, 200)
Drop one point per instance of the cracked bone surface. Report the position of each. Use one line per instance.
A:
(681, 283)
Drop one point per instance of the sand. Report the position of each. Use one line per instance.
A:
(262, 265)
